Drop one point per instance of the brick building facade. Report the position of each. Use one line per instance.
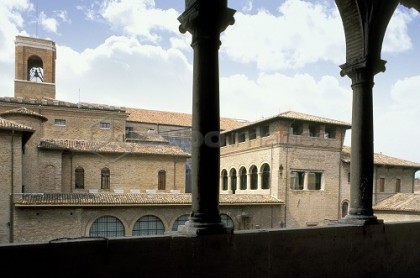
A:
(300, 159)
(84, 169)
(81, 168)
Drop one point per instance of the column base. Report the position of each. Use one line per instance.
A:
(360, 220)
(198, 229)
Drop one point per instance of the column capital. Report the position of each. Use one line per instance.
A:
(211, 15)
(361, 69)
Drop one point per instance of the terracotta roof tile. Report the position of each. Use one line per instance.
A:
(295, 116)
(11, 125)
(174, 118)
(24, 111)
(60, 103)
(311, 118)
(111, 147)
(381, 159)
(400, 202)
(129, 199)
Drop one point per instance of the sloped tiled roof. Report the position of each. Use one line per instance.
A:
(306, 117)
(11, 125)
(381, 159)
(60, 103)
(147, 137)
(129, 199)
(26, 112)
(111, 147)
(290, 115)
(409, 202)
(174, 118)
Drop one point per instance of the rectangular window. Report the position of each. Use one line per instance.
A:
(296, 180)
(241, 137)
(105, 125)
(381, 184)
(129, 132)
(348, 177)
(329, 132)
(252, 134)
(296, 128)
(265, 130)
(314, 130)
(398, 185)
(60, 122)
(314, 180)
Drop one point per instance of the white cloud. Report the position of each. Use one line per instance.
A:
(247, 6)
(63, 16)
(123, 71)
(270, 94)
(302, 33)
(138, 18)
(49, 24)
(396, 37)
(405, 92)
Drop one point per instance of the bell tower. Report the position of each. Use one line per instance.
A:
(34, 68)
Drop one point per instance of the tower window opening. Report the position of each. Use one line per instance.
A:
(35, 69)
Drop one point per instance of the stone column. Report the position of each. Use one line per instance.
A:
(365, 23)
(229, 184)
(205, 20)
(259, 187)
(305, 181)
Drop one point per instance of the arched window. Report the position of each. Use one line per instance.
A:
(180, 221)
(79, 177)
(148, 225)
(265, 181)
(107, 226)
(35, 69)
(162, 180)
(233, 180)
(242, 178)
(224, 180)
(105, 178)
(254, 177)
(226, 220)
(344, 209)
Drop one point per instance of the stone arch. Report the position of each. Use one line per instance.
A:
(243, 179)
(148, 224)
(265, 176)
(107, 226)
(233, 179)
(227, 220)
(224, 178)
(253, 175)
(35, 69)
(180, 220)
(345, 207)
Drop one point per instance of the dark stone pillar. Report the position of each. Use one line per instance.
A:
(205, 20)
(365, 23)
(361, 166)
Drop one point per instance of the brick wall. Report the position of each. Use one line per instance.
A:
(129, 171)
(6, 180)
(44, 224)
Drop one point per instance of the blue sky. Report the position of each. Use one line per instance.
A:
(279, 56)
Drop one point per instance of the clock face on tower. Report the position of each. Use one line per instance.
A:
(36, 74)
